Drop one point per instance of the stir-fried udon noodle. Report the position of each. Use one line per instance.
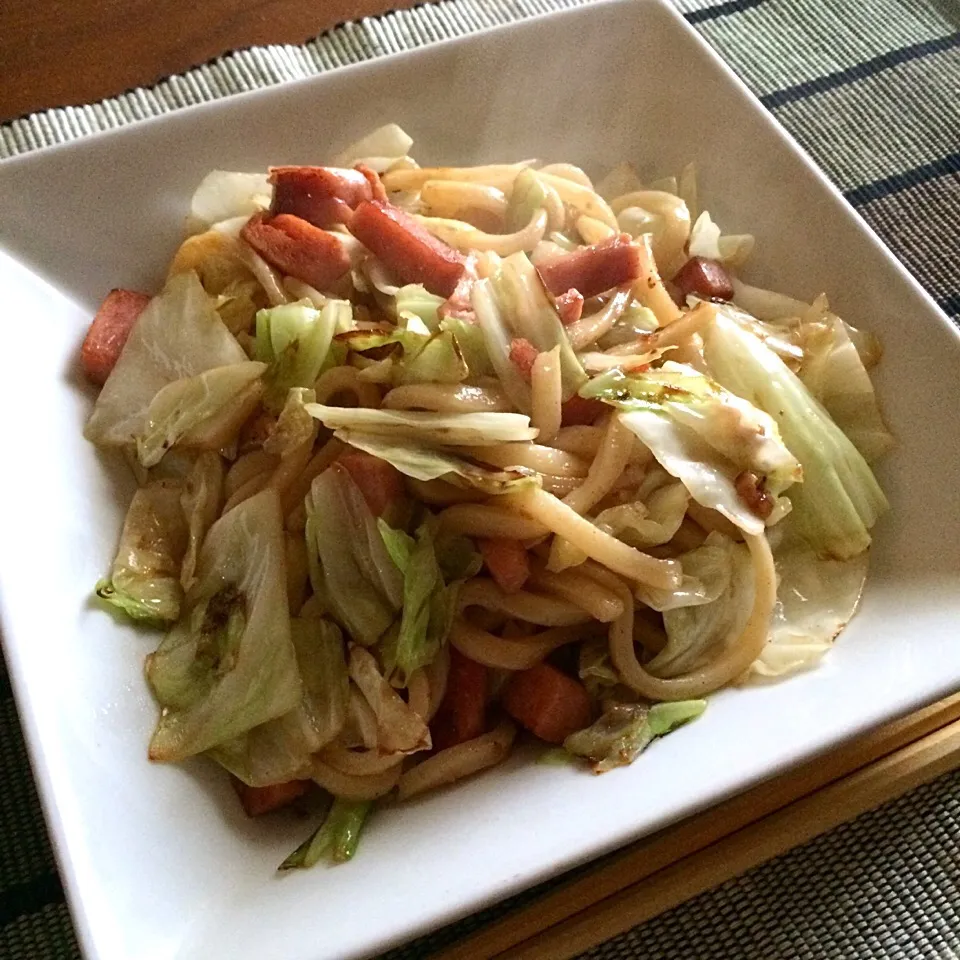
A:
(430, 455)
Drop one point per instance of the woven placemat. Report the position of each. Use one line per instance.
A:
(871, 89)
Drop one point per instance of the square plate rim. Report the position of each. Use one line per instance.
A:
(37, 752)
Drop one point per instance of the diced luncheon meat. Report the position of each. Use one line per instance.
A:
(547, 702)
(570, 307)
(259, 800)
(592, 270)
(753, 493)
(704, 278)
(373, 178)
(460, 304)
(109, 331)
(463, 713)
(380, 482)
(523, 355)
(581, 411)
(297, 248)
(507, 561)
(407, 250)
(323, 196)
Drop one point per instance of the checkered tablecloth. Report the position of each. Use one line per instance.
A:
(871, 89)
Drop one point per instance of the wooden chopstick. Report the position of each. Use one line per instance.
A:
(809, 817)
(561, 908)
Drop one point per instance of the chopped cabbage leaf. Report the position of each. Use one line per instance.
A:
(459, 559)
(834, 373)
(294, 339)
(421, 357)
(336, 838)
(200, 501)
(350, 569)
(429, 604)
(497, 339)
(228, 665)
(767, 305)
(634, 323)
(426, 463)
(183, 407)
(322, 659)
(399, 727)
(707, 573)
(294, 427)
(649, 524)
(840, 499)
(714, 601)
(471, 344)
(595, 668)
(450, 429)
(702, 434)
(438, 361)
(280, 750)
(144, 579)
(179, 335)
(706, 241)
(816, 598)
(781, 336)
(642, 524)
(625, 730)
(415, 300)
(225, 195)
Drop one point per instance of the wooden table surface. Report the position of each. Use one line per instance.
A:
(54, 53)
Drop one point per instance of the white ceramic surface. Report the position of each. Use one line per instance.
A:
(159, 863)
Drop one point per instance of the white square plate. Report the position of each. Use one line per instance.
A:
(159, 862)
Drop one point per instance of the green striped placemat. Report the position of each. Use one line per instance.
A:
(871, 89)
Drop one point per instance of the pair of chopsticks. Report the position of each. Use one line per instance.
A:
(697, 854)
